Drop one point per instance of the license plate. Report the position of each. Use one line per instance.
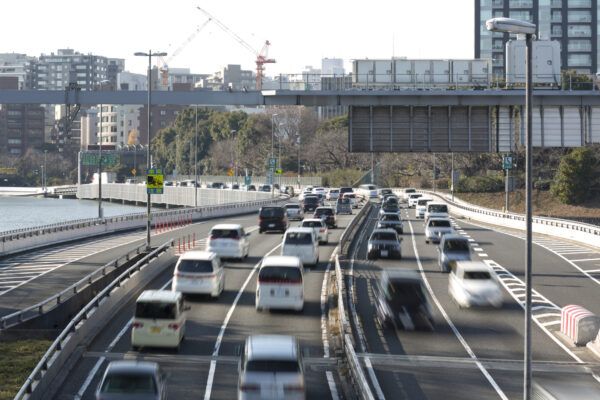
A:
(155, 329)
(271, 225)
(384, 253)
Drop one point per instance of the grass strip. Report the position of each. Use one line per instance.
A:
(17, 360)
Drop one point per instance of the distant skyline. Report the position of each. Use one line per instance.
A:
(301, 33)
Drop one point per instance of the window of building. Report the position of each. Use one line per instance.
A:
(175, 112)
(163, 112)
(556, 30)
(523, 15)
(113, 118)
(14, 113)
(498, 14)
(580, 16)
(14, 141)
(498, 45)
(498, 3)
(576, 60)
(579, 31)
(520, 3)
(80, 67)
(15, 151)
(129, 123)
(580, 45)
(556, 4)
(556, 16)
(113, 129)
(580, 3)
(163, 123)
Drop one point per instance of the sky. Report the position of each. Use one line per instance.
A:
(301, 32)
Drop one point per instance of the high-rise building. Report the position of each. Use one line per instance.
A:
(19, 66)
(332, 66)
(21, 128)
(574, 23)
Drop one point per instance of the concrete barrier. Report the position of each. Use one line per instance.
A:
(578, 324)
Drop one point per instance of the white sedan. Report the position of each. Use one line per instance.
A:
(319, 227)
(473, 283)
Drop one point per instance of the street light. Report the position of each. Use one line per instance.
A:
(279, 136)
(272, 135)
(509, 25)
(233, 156)
(149, 54)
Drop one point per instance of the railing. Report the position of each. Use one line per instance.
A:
(52, 355)
(38, 309)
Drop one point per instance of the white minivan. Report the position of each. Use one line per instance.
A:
(280, 284)
(228, 241)
(436, 210)
(199, 272)
(159, 319)
(301, 243)
(421, 207)
(319, 226)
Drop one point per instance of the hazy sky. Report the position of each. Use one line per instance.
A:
(300, 32)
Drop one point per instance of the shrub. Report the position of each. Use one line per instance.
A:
(575, 176)
(480, 184)
(542, 185)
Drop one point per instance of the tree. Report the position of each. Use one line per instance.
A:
(133, 137)
(575, 176)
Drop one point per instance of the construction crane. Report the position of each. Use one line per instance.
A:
(164, 69)
(261, 56)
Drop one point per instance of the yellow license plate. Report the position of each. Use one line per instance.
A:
(155, 329)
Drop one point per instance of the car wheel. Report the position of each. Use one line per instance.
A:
(426, 241)
(260, 231)
(259, 309)
(401, 232)
(135, 348)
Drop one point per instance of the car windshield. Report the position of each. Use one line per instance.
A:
(438, 208)
(390, 217)
(334, 191)
(423, 202)
(386, 191)
(403, 293)
(345, 189)
(195, 266)
(271, 212)
(456, 245)
(477, 275)
(155, 310)
(439, 223)
(298, 238)
(272, 366)
(312, 224)
(224, 234)
(384, 236)
(279, 274)
(415, 196)
(390, 206)
(129, 383)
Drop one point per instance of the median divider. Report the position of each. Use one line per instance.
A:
(579, 325)
(81, 330)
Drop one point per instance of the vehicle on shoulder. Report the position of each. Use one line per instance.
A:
(383, 192)
(384, 243)
(158, 320)
(132, 380)
(271, 367)
(319, 227)
(473, 283)
(401, 301)
(391, 221)
(272, 218)
(333, 194)
(229, 241)
(343, 206)
(435, 228)
(301, 243)
(310, 203)
(199, 272)
(264, 188)
(327, 214)
(130, 181)
(436, 210)
(421, 207)
(216, 185)
(294, 211)
(280, 284)
(453, 248)
(168, 183)
(276, 186)
(407, 192)
(413, 198)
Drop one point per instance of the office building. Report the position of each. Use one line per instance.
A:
(19, 66)
(574, 23)
(332, 67)
(21, 128)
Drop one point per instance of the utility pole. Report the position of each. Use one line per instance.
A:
(100, 169)
(434, 174)
(196, 160)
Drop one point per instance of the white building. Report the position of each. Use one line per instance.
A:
(332, 67)
(130, 81)
(89, 128)
(19, 66)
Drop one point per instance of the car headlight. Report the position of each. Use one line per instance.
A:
(370, 247)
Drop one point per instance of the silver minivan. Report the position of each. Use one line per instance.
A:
(199, 272)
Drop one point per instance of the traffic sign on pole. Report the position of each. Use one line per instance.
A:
(278, 171)
(272, 162)
(269, 177)
(154, 180)
(230, 172)
(247, 180)
(507, 162)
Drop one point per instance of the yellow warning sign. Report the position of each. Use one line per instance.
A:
(230, 172)
(278, 171)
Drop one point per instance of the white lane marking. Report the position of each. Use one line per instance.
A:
(451, 324)
(482, 255)
(213, 363)
(332, 387)
(585, 259)
(592, 270)
(550, 323)
(576, 252)
(472, 240)
(112, 344)
(478, 249)
(374, 380)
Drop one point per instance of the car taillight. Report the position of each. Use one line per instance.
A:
(321, 230)
(283, 219)
(138, 325)
(248, 387)
(174, 326)
(316, 215)
(293, 387)
(259, 220)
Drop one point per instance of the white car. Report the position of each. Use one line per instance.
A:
(280, 284)
(319, 190)
(333, 194)
(413, 198)
(158, 320)
(305, 192)
(407, 192)
(229, 241)
(199, 272)
(320, 228)
(302, 243)
(421, 207)
(294, 211)
(473, 283)
(436, 210)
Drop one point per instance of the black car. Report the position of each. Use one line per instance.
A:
(310, 203)
(327, 214)
(401, 300)
(272, 218)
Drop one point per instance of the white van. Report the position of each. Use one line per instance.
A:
(158, 320)
(436, 210)
(301, 243)
(199, 272)
(368, 191)
(412, 199)
(421, 207)
(280, 284)
(228, 241)
(406, 192)
(319, 226)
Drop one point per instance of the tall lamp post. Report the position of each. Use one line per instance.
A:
(272, 136)
(509, 25)
(149, 54)
(196, 159)
(279, 145)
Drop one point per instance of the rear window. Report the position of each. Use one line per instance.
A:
(343, 201)
(372, 187)
(402, 293)
(280, 274)
(438, 208)
(438, 223)
(324, 211)
(345, 189)
(409, 191)
(312, 224)
(386, 191)
(288, 206)
(272, 366)
(155, 310)
(415, 195)
(383, 236)
(390, 217)
(311, 200)
(271, 212)
(195, 266)
(334, 191)
(224, 234)
(456, 245)
(423, 202)
(350, 196)
(298, 238)
(480, 275)
(129, 383)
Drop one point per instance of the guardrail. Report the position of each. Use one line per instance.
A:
(38, 309)
(41, 379)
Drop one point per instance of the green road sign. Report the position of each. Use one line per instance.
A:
(272, 162)
(247, 180)
(154, 180)
(507, 162)
(92, 159)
